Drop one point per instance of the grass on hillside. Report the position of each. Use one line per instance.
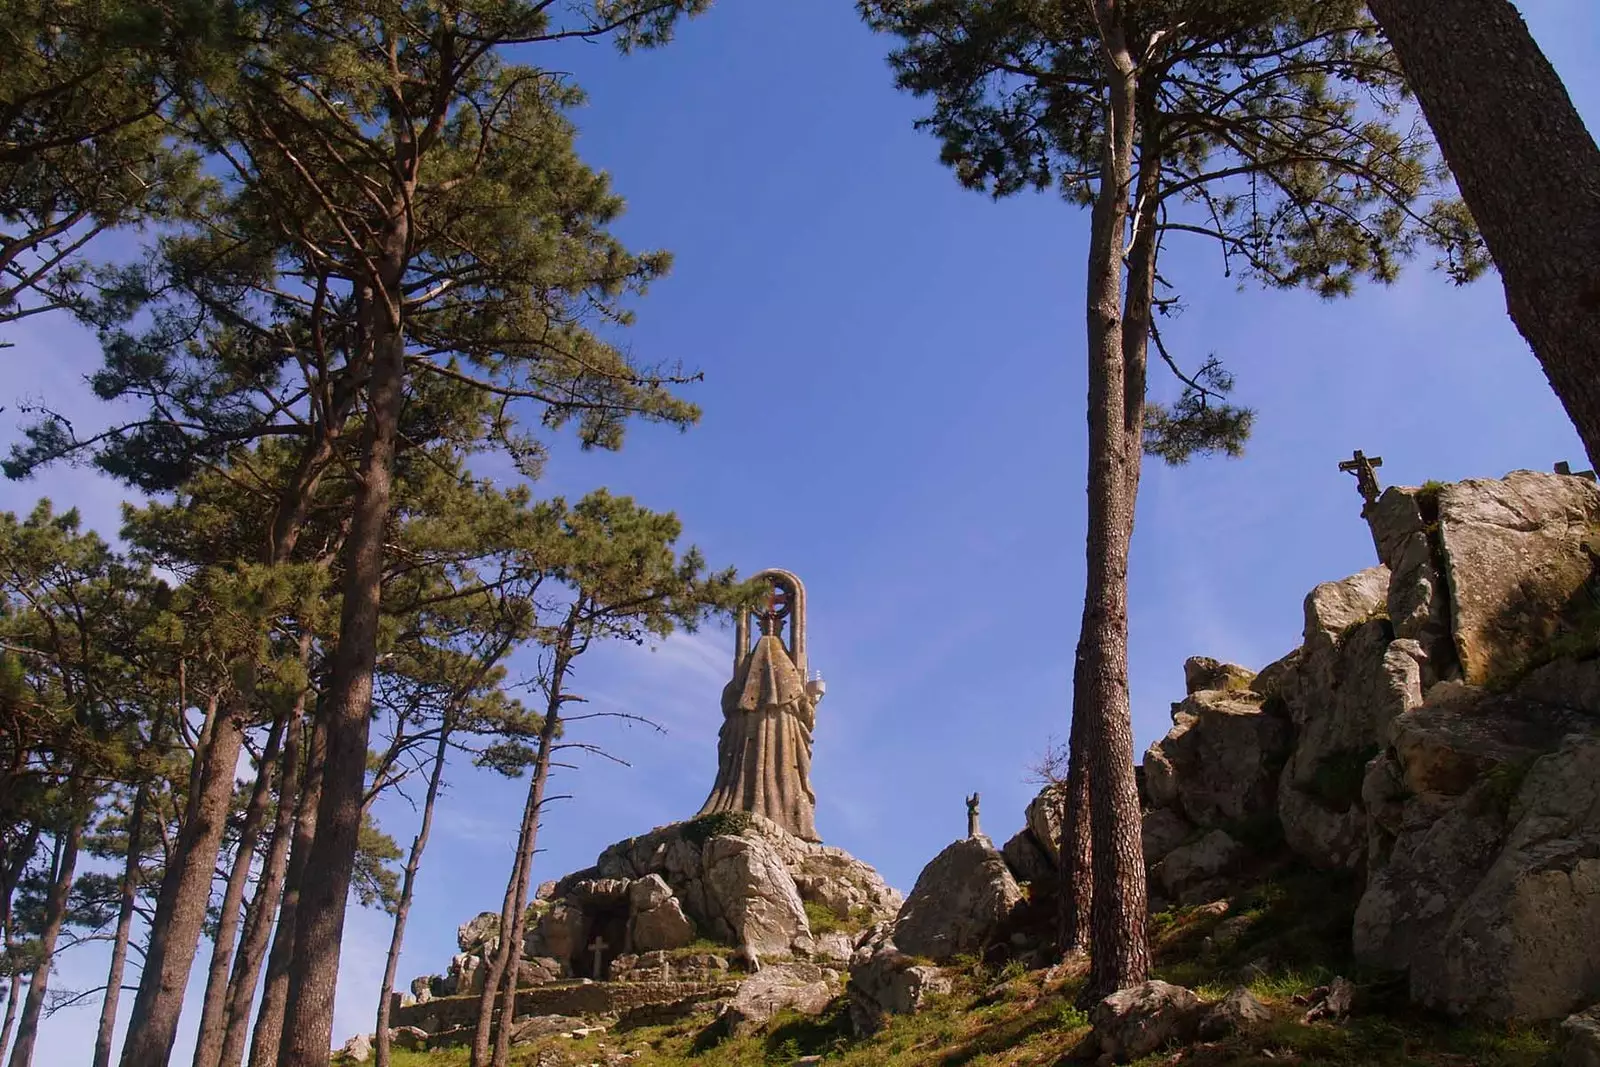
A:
(1281, 939)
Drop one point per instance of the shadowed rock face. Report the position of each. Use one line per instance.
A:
(960, 900)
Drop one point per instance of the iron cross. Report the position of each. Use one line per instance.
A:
(1362, 466)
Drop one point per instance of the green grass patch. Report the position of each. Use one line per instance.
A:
(718, 824)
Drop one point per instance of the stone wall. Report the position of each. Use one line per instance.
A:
(575, 999)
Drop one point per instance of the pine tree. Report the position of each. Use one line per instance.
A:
(1271, 127)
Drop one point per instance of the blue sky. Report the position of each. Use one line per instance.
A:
(894, 410)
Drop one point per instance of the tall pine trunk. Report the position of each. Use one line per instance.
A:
(407, 889)
(1119, 950)
(314, 974)
(181, 905)
(1527, 168)
(55, 914)
(129, 893)
(268, 1034)
(264, 903)
(213, 1019)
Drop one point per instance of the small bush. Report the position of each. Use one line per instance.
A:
(717, 824)
(821, 918)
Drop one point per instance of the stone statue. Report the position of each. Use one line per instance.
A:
(769, 710)
(972, 817)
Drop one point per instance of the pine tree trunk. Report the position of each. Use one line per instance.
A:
(213, 1019)
(1119, 951)
(519, 917)
(313, 976)
(407, 888)
(181, 906)
(14, 994)
(264, 903)
(268, 1034)
(496, 966)
(129, 890)
(1528, 170)
(1075, 873)
(55, 914)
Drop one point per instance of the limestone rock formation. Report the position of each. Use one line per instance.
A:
(1218, 764)
(961, 900)
(885, 981)
(754, 893)
(769, 710)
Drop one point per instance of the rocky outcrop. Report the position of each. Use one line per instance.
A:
(1219, 762)
(961, 900)
(885, 981)
(754, 894)
(1193, 873)
(480, 933)
(655, 918)
(1204, 674)
(1580, 1039)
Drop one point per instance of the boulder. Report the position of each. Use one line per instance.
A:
(1045, 813)
(531, 1027)
(358, 1049)
(1219, 762)
(1141, 1019)
(961, 899)
(1204, 673)
(1192, 870)
(1027, 859)
(1268, 684)
(537, 970)
(595, 894)
(546, 891)
(834, 947)
(1517, 559)
(1239, 1010)
(466, 974)
(1163, 830)
(755, 893)
(885, 981)
(794, 986)
(1580, 1039)
(656, 921)
(1462, 733)
(422, 987)
(479, 933)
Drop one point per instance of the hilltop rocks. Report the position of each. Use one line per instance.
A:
(960, 901)
(479, 933)
(656, 919)
(1202, 673)
(755, 894)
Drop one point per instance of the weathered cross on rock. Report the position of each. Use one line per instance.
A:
(598, 946)
(1362, 466)
(1566, 468)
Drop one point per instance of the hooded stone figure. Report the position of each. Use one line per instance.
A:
(769, 710)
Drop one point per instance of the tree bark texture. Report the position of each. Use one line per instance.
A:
(13, 994)
(268, 1034)
(407, 889)
(1119, 949)
(496, 965)
(129, 893)
(181, 905)
(213, 1018)
(264, 903)
(1529, 171)
(55, 914)
(1075, 874)
(313, 977)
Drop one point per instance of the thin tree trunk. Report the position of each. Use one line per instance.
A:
(119, 947)
(55, 914)
(264, 1042)
(213, 1020)
(1529, 171)
(519, 917)
(496, 966)
(181, 906)
(407, 888)
(313, 978)
(1075, 880)
(13, 996)
(1119, 950)
(264, 903)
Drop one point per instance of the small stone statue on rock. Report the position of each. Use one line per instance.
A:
(972, 817)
